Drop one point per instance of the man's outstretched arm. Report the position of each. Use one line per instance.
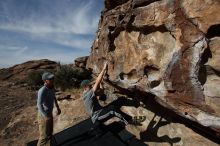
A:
(100, 77)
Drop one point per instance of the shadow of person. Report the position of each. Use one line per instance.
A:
(150, 135)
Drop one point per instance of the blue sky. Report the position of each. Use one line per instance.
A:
(59, 30)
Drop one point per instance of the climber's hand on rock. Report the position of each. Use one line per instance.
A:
(105, 65)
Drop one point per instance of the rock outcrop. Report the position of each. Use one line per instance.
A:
(81, 61)
(20, 72)
(168, 49)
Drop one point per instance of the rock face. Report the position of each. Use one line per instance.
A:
(81, 61)
(168, 49)
(20, 72)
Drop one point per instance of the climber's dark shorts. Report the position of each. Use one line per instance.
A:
(110, 111)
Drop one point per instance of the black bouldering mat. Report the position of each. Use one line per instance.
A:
(84, 134)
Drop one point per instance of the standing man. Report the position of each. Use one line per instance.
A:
(93, 108)
(45, 103)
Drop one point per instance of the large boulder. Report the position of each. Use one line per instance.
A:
(164, 48)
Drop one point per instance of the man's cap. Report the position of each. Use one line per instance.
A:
(47, 76)
(86, 83)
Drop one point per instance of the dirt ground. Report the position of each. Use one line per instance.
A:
(18, 114)
(18, 120)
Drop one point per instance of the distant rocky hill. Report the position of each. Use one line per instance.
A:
(19, 72)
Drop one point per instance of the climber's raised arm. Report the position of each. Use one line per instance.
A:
(100, 77)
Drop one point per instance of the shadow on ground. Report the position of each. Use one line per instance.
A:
(150, 134)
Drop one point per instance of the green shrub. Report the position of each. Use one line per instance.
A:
(68, 77)
(35, 79)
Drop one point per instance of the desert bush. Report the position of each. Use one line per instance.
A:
(68, 77)
(35, 79)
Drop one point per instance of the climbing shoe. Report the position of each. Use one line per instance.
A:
(137, 120)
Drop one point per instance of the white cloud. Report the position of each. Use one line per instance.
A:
(75, 42)
(12, 50)
(73, 20)
(67, 23)
(11, 55)
(64, 27)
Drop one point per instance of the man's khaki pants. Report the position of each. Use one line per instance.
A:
(45, 131)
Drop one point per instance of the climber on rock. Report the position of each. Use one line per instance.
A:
(98, 113)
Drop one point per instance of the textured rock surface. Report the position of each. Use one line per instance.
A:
(214, 61)
(166, 48)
